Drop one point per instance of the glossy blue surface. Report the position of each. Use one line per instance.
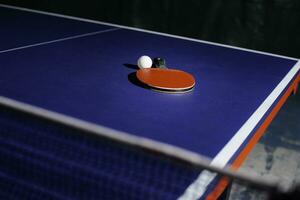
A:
(20, 28)
(86, 78)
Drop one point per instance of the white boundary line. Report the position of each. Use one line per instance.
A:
(143, 30)
(223, 157)
(60, 40)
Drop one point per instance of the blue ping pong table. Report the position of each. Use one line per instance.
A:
(80, 74)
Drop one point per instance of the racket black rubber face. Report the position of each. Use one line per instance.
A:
(159, 63)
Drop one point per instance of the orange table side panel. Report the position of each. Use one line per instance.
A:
(224, 181)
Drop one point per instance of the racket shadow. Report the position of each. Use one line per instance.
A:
(134, 80)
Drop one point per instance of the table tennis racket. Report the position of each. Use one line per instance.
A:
(166, 80)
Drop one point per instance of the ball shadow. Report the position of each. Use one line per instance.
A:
(131, 66)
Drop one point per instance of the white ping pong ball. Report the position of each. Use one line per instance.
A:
(144, 62)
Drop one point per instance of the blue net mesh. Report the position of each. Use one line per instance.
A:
(44, 160)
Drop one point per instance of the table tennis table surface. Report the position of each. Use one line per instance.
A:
(85, 70)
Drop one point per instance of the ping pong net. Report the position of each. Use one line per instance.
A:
(45, 156)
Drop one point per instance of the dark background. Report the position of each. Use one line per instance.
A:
(266, 25)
